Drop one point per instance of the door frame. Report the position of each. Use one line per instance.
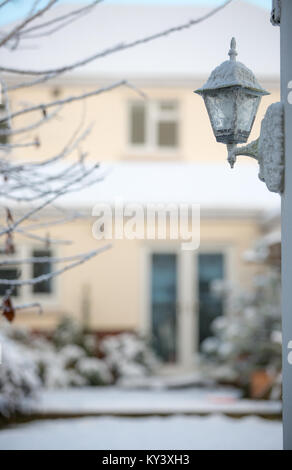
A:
(185, 301)
(187, 295)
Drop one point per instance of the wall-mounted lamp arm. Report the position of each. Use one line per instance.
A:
(268, 149)
(249, 150)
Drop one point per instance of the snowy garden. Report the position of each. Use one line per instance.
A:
(111, 390)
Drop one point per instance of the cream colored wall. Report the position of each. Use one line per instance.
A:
(113, 278)
(108, 112)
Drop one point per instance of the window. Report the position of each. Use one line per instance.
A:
(27, 270)
(138, 124)
(154, 125)
(9, 273)
(210, 269)
(3, 126)
(44, 287)
(163, 305)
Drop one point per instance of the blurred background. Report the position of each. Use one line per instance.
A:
(164, 331)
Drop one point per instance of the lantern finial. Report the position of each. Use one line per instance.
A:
(232, 51)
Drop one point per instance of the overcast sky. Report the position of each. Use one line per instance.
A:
(19, 7)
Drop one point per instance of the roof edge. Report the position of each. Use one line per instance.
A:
(272, 82)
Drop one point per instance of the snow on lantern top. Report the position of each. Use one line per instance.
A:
(232, 96)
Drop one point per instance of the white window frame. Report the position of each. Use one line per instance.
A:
(152, 117)
(26, 294)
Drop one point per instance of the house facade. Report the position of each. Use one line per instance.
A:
(157, 150)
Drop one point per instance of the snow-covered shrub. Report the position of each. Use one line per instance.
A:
(94, 371)
(69, 332)
(128, 355)
(19, 377)
(248, 338)
(31, 362)
(51, 369)
(71, 367)
(71, 354)
(54, 366)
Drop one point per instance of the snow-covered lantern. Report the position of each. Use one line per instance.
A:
(232, 96)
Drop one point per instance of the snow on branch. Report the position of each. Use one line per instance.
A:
(79, 259)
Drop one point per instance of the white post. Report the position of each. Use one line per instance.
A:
(286, 96)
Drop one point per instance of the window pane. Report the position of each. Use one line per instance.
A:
(3, 125)
(167, 134)
(164, 298)
(138, 124)
(211, 268)
(9, 274)
(44, 287)
(168, 105)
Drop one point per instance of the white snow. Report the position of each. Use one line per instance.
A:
(18, 375)
(179, 432)
(115, 400)
(232, 73)
(213, 186)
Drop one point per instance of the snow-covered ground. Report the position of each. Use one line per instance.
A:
(130, 430)
(175, 432)
(115, 400)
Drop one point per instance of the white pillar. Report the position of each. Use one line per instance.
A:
(185, 312)
(286, 78)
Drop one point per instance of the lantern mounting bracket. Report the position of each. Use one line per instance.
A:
(268, 149)
(249, 150)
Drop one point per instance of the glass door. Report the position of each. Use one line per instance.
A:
(210, 269)
(163, 305)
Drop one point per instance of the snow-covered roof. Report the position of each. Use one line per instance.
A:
(191, 53)
(214, 186)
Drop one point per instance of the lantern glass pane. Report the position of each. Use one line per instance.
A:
(246, 109)
(232, 112)
(221, 110)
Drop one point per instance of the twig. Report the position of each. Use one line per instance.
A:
(71, 99)
(27, 20)
(48, 276)
(117, 48)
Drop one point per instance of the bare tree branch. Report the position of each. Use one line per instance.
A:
(71, 99)
(117, 48)
(11, 132)
(42, 259)
(13, 33)
(26, 306)
(76, 14)
(3, 3)
(48, 276)
(31, 186)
